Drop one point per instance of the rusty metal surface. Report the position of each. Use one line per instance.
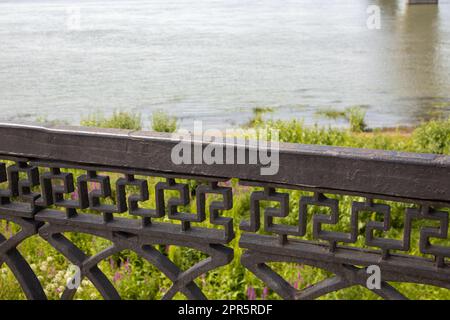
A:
(45, 199)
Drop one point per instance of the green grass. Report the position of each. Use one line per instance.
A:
(118, 120)
(162, 122)
(429, 137)
(355, 116)
(433, 137)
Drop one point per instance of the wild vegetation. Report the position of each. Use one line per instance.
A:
(354, 115)
(136, 279)
(118, 120)
(160, 121)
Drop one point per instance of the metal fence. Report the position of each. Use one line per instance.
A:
(55, 180)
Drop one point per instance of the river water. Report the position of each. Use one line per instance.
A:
(216, 60)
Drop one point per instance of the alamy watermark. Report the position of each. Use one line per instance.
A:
(253, 147)
(74, 281)
(373, 21)
(374, 280)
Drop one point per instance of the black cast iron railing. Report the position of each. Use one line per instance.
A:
(37, 193)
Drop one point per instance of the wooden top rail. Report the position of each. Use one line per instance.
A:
(361, 171)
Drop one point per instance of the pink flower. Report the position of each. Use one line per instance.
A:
(298, 281)
(126, 266)
(112, 263)
(117, 276)
(226, 183)
(265, 293)
(74, 196)
(251, 294)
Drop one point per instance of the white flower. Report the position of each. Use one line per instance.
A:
(58, 277)
(50, 287)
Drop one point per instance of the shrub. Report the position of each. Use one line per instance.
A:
(355, 115)
(295, 132)
(162, 122)
(433, 137)
(118, 120)
(257, 118)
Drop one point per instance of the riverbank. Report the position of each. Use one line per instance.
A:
(428, 137)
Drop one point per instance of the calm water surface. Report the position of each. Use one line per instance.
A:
(215, 60)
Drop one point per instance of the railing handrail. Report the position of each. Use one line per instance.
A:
(384, 173)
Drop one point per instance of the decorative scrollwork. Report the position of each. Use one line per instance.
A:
(216, 206)
(344, 261)
(54, 194)
(321, 219)
(50, 199)
(40, 213)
